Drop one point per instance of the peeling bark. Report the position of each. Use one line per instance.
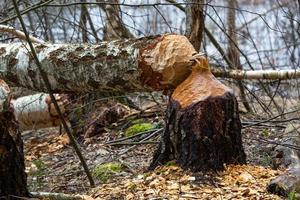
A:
(12, 166)
(203, 129)
(149, 63)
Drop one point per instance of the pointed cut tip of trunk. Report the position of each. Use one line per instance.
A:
(166, 63)
(200, 85)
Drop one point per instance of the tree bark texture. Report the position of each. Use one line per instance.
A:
(287, 156)
(37, 111)
(149, 63)
(203, 129)
(12, 167)
(195, 22)
(144, 64)
(233, 51)
(114, 26)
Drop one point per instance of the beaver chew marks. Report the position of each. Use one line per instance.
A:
(166, 63)
(203, 129)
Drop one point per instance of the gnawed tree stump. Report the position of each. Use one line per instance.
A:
(287, 156)
(12, 167)
(203, 129)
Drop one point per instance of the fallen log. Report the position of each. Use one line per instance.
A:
(132, 65)
(149, 63)
(258, 74)
(13, 181)
(287, 156)
(203, 129)
(37, 111)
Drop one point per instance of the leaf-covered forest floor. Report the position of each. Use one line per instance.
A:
(120, 167)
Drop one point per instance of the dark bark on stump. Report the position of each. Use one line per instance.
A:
(12, 168)
(202, 136)
(203, 129)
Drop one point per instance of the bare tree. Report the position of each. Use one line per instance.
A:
(195, 22)
(232, 50)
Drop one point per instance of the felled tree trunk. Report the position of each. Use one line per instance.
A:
(12, 168)
(133, 65)
(203, 129)
(149, 63)
(287, 156)
(37, 111)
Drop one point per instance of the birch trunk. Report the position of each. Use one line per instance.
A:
(258, 74)
(37, 111)
(12, 166)
(149, 63)
(145, 64)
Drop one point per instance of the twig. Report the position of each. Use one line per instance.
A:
(19, 34)
(134, 143)
(268, 120)
(257, 74)
(145, 139)
(130, 137)
(248, 124)
(59, 196)
(44, 76)
(208, 33)
(291, 146)
(26, 10)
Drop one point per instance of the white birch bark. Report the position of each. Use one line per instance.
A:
(37, 111)
(258, 74)
(129, 65)
(144, 64)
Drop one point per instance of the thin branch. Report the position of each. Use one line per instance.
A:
(19, 34)
(134, 143)
(130, 137)
(26, 10)
(143, 140)
(208, 34)
(48, 85)
(257, 74)
(268, 120)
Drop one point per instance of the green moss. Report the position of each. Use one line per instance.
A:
(292, 195)
(105, 171)
(171, 163)
(39, 164)
(265, 133)
(137, 128)
(37, 175)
